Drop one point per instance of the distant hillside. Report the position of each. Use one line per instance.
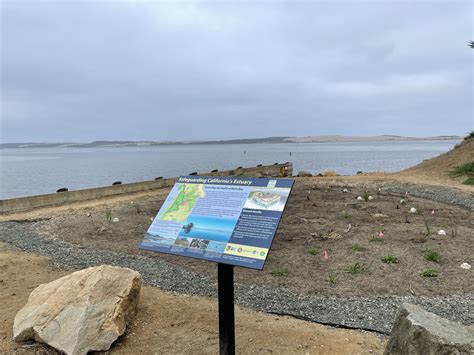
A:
(289, 140)
(383, 138)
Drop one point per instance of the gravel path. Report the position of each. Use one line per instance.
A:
(375, 313)
(441, 194)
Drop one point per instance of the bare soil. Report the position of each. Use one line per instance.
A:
(316, 220)
(167, 323)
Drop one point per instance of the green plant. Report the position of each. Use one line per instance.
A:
(279, 271)
(313, 251)
(366, 196)
(429, 273)
(462, 170)
(469, 181)
(419, 210)
(454, 230)
(108, 215)
(357, 247)
(345, 215)
(355, 269)
(332, 277)
(374, 238)
(469, 136)
(390, 259)
(138, 208)
(427, 226)
(432, 255)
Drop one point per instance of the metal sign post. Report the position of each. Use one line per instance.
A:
(197, 221)
(225, 282)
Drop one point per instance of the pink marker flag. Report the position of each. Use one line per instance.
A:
(325, 255)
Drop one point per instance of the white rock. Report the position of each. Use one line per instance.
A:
(413, 210)
(442, 232)
(360, 198)
(86, 310)
(465, 266)
(402, 201)
(345, 190)
(116, 219)
(370, 198)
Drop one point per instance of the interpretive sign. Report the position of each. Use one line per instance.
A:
(229, 220)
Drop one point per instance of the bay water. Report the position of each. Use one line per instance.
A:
(35, 171)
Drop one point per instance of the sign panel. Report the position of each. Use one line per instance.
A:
(230, 220)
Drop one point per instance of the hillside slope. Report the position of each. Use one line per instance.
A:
(436, 170)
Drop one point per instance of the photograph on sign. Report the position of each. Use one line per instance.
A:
(222, 219)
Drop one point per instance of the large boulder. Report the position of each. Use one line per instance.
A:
(417, 331)
(86, 310)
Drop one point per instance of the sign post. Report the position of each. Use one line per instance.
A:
(228, 220)
(225, 282)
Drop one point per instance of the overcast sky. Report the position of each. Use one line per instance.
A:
(109, 70)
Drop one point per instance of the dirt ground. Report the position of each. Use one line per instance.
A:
(316, 219)
(167, 323)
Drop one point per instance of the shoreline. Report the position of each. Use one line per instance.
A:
(270, 140)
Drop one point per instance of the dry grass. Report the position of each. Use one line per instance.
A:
(328, 173)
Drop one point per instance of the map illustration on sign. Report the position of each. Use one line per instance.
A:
(222, 219)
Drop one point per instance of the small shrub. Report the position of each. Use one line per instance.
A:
(313, 251)
(429, 273)
(432, 255)
(390, 259)
(466, 169)
(330, 173)
(469, 136)
(138, 208)
(345, 215)
(454, 231)
(365, 196)
(375, 239)
(108, 215)
(355, 269)
(357, 247)
(332, 277)
(279, 271)
(419, 210)
(469, 181)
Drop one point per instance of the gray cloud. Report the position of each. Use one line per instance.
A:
(80, 71)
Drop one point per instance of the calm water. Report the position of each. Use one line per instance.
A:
(43, 170)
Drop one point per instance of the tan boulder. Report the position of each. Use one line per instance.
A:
(86, 310)
(419, 332)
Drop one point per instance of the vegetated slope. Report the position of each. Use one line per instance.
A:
(438, 168)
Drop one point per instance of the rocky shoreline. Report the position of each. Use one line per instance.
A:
(369, 313)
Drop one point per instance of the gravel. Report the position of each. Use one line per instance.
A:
(374, 313)
(441, 194)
